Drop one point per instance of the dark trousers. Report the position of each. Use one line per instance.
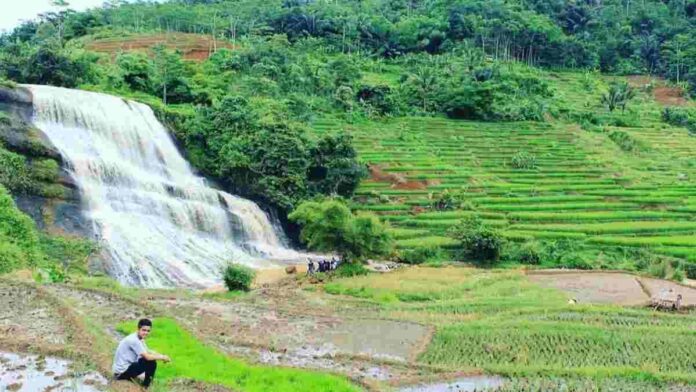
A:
(138, 368)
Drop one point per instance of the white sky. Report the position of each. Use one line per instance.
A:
(12, 12)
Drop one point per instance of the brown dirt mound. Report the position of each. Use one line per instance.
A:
(378, 174)
(410, 185)
(663, 94)
(193, 47)
(670, 96)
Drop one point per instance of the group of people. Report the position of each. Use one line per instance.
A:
(321, 265)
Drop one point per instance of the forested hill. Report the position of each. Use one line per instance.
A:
(617, 36)
(282, 101)
(290, 61)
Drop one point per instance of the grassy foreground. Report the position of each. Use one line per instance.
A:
(193, 360)
(500, 321)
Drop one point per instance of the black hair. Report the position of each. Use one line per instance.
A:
(144, 323)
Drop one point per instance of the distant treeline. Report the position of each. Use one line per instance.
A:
(617, 36)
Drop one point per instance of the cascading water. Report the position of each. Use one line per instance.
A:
(160, 225)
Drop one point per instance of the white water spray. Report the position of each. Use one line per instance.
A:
(159, 223)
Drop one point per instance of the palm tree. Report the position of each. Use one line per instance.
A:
(618, 96)
(424, 83)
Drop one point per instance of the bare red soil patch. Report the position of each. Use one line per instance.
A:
(670, 96)
(663, 94)
(410, 185)
(195, 47)
(378, 174)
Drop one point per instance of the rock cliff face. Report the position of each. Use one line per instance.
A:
(40, 185)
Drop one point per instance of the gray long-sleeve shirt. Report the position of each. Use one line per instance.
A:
(128, 352)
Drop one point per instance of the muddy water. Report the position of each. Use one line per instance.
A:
(312, 358)
(465, 384)
(31, 373)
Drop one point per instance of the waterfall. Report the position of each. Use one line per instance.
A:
(158, 223)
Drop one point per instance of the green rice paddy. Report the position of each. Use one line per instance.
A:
(501, 322)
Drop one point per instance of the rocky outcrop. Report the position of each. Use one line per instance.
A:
(47, 194)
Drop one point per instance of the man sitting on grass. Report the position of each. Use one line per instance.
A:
(133, 358)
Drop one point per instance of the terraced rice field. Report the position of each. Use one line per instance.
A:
(583, 187)
(501, 321)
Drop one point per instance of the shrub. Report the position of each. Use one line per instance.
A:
(7, 83)
(678, 275)
(420, 254)
(642, 258)
(690, 269)
(624, 141)
(238, 277)
(19, 239)
(329, 226)
(497, 94)
(676, 116)
(574, 261)
(14, 172)
(523, 160)
(618, 96)
(447, 200)
(11, 257)
(680, 117)
(348, 270)
(478, 241)
(378, 97)
(531, 252)
(660, 269)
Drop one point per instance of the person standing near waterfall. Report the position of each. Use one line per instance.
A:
(133, 358)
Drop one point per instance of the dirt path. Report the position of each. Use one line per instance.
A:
(610, 287)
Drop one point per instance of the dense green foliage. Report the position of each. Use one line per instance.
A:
(37, 175)
(329, 225)
(23, 246)
(680, 117)
(523, 160)
(438, 53)
(193, 360)
(613, 35)
(238, 277)
(19, 239)
(262, 155)
(618, 96)
(479, 241)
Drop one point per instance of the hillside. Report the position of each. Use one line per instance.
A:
(584, 187)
